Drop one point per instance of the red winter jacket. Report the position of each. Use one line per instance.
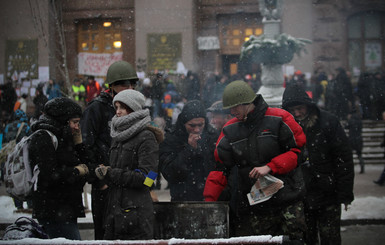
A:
(269, 136)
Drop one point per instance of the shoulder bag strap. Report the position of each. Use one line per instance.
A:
(19, 130)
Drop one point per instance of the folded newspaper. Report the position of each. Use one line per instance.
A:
(264, 188)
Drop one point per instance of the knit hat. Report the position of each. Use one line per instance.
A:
(192, 109)
(62, 109)
(132, 98)
(295, 95)
(167, 98)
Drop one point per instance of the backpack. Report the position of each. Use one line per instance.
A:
(7, 148)
(20, 179)
(24, 227)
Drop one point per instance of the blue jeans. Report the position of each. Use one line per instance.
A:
(156, 108)
(66, 229)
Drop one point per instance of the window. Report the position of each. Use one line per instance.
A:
(234, 30)
(99, 36)
(366, 41)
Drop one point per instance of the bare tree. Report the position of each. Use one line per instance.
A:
(61, 50)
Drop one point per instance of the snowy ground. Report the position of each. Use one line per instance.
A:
(361, 208)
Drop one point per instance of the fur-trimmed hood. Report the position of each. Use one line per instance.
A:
(159, 133)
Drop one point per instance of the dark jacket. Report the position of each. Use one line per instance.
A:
(59, 186)
(342, 99)
(355, 132)
(130, 211)
(96, 126)
(193, 86)
(8, 97)
(269, 136)
(39, 102)
(157, 89)
(329, 171)
(184, 167)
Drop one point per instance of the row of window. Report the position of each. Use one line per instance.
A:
(366, 32)
(100, 36)
(105, 36)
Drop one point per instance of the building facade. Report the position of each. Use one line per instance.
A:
(65, 39)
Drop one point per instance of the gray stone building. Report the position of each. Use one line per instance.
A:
(65, 39)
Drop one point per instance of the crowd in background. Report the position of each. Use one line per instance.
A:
(334, 92)
(185, 110)
(338, 94)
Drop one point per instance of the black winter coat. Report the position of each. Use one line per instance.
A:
(96, 126)
(343, 99)
(328, 169)
(355, 132)
(330, 173)
(184, 167)
(130, 211)
(59, 186)
(39, 102)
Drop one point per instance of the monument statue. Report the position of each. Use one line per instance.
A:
(272, 50)
(270, 9)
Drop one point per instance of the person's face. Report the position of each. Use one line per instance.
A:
(299, 112)
(120, 87)
(121, 110)
(195, 125)
(218, 120)
(74, 124)
(239, 111)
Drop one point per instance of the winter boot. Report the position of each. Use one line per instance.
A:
(381, 180)
(362, 164)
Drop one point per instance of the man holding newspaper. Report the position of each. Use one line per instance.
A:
(264, 143)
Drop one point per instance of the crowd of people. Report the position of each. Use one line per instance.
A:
(211, 142)
(336, 93)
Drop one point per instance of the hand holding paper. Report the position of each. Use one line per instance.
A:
(264, 188)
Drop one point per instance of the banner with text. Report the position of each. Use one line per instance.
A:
(97, 64)
(21, 59)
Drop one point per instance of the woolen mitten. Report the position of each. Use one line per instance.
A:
(101, 171)
(82, 168)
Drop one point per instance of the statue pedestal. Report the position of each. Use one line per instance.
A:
(272, 75)
(271, 28)
(272, 95)
(272, 84)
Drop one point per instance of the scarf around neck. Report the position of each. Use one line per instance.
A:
(125, 127)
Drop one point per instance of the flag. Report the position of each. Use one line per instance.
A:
(150, 178)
